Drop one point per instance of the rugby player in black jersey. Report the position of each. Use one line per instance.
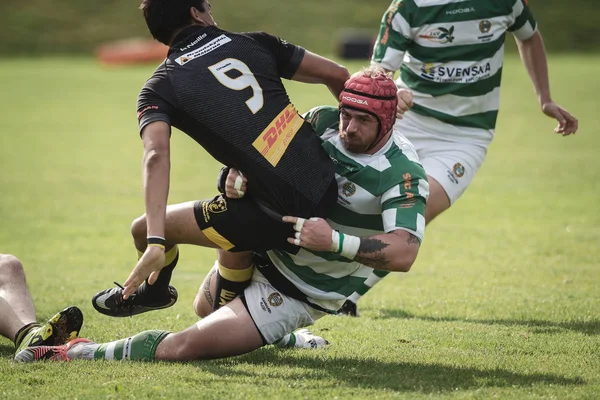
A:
(224, 90)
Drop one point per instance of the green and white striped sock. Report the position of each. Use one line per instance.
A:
(371, 281)
(140, 347)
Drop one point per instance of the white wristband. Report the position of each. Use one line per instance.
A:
(349, 246)
(335, 241)
(346, 245)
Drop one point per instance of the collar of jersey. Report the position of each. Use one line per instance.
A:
(186, 33)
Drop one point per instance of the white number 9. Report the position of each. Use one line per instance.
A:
(247, 79)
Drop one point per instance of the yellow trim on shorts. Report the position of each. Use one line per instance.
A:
(217, 238)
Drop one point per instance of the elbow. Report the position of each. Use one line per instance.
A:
(404, 262)
(155, 156)
(337, 79)
(342, 73)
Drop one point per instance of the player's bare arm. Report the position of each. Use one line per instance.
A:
(317, 69)
(155, 171)
(394, 251)
(533, 55)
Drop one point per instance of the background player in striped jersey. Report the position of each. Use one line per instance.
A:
(450, 55)
(18, 321)
(379, 222)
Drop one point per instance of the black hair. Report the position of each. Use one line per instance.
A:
(165, 17)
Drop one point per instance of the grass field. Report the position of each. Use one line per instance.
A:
(504, 300)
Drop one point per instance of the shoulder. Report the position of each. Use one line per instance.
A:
(406, 154)
(322, 118)
(157, 81)
(402, 160)
(406, 8)
(261, 37)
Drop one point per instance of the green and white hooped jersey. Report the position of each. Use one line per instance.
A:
(450, 54)
(378, 193)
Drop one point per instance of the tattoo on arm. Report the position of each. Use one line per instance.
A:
(370, 253)
(412, 239)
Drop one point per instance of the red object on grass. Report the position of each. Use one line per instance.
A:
(132, 51)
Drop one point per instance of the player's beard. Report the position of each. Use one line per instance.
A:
(352, 144)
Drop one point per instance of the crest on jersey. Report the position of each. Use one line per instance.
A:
(348, 189)
(218, 205)
(485, 26)
(275, 299)
(458, 170)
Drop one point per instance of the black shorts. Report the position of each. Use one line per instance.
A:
(241, 225)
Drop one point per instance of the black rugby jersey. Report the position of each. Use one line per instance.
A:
(224, 90)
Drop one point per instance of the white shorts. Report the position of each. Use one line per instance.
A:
(274, 313)
(451, 163)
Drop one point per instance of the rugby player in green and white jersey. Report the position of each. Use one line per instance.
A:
(379, 223)
(449, 54)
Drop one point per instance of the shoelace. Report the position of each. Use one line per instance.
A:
(122, 303)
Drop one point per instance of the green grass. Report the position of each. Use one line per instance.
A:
(502, 302)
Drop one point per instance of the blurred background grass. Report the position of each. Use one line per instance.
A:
(31, 27)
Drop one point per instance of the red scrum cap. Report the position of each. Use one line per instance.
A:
(373, 91)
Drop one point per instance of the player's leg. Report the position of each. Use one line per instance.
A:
(238, 225)
(203, 303)
(261, 316)
(182, 226)
(301, 338)
(438, 200)
(18, 321)
(228, 332)
(350, 307)
(16, 305)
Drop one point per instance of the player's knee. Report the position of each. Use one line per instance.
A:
(138, 228)
(11, 268)
(438, 201)
(200, 306)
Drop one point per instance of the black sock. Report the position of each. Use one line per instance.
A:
(230, 286)
(160, 288)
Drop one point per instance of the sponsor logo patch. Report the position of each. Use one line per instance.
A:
(203, 50)
(276, 137)
(439, 35)
(465, 10)
(355, 100)
(446, 74)
(195, 42)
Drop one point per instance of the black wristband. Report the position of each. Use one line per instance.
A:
(156, 240)
(222, 179)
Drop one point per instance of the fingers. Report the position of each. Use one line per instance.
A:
(289, 219)
(153, 277)
(129, 287)
(132, 283)
(235, 185)
(571, 123)
(405, 102)
(299, 224)
(297, 242)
